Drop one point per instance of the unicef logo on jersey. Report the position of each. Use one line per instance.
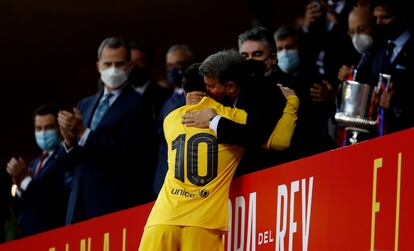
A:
(204, 193)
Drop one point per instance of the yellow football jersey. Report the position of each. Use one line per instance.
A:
(196, 187)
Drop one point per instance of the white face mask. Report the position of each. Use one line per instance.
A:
(114, 77)
(362, 42)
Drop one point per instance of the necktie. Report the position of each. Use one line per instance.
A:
(41, 163)
(100, 111)
(387, 59)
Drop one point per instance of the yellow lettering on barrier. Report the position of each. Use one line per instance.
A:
(52, 249)
(106, 242)
(375, 204)
(83, 245)
(124, 239)
(67, 247)
(397, 206)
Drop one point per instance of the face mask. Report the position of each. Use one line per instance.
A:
(175, 76)
(288, 60)
(362, 42)
(389, 31)
(255, 68)
(138, 76)
(47, 140)
(114, 77)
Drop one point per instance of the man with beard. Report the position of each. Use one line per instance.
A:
(109, 140)
(248, 91)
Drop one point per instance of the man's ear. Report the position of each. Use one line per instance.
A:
(231, 87)
(97, 66)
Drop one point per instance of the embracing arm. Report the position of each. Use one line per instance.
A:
(283, 132)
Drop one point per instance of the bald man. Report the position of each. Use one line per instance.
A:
(361, 30)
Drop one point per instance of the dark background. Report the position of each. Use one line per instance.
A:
(49, 48)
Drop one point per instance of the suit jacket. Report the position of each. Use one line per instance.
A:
(263, 101)
(155, 96)
(114, 169)
(401, 114)
(43, 204)
(176, 100)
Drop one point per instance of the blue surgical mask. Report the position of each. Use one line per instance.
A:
(288, 60)
(175, 76)
(47, 140)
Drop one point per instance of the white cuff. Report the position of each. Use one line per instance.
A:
(214, 123)
(18, 193)
(25, 183)
(84, 138)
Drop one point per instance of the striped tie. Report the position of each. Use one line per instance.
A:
(100, 111)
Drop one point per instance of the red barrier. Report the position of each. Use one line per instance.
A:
(353, 198)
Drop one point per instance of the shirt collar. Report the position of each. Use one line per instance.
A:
(179, 90)
(115, 94)
(399, 43)
(402, 39)
(141, 89)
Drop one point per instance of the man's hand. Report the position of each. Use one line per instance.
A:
(194, 97)
(312, 13)
(199, 119)
(344, 72)
(385, 100)
(286, 91)
(71, 126)
(323, 92)
(17, 168)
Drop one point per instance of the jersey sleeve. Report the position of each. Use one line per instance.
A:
(283, 132)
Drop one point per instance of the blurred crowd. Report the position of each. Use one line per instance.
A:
(109, 152)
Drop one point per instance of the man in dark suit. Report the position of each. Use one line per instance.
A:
(396, 58)
(261, 98)
(141, 79)
(109, 138)
(258, 44)
(42, 186)
(233, 81)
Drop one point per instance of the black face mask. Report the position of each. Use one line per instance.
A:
(389, 31)
(256, 68)
(139, 76)
(175, 76)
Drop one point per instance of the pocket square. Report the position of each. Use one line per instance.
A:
(400, 67)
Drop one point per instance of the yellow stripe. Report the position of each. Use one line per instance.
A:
(397, 206)
(375, 204)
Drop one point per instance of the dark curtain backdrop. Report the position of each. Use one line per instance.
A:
(48, 48)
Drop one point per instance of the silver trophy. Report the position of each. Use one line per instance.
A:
(355, 111)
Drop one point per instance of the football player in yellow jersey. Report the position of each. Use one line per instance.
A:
(190, 212)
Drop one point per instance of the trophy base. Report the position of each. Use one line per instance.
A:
(346, 120)
(355, 135)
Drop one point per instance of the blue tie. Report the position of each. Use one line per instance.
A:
(100, 111)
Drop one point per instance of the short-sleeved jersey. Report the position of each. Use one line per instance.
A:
(196, 187)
